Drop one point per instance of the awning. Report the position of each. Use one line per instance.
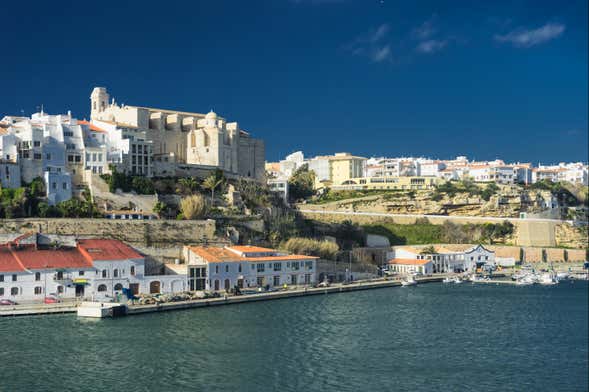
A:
(80, 281)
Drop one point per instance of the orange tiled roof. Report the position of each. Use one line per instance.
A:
(409, 261)
(91, 126)
(218, 255)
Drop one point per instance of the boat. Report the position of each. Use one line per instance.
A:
(456, 280)
(547, 279)
(526, 280)
(562, 275)
(409, 281)
(448, 279)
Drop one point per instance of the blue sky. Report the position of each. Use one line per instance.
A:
(434, 78)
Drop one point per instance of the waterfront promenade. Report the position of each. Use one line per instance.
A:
(42, 309)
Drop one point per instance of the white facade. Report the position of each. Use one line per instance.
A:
(243, 266)
(448, 260)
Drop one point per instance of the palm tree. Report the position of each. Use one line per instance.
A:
(212, 183)
(187, 184)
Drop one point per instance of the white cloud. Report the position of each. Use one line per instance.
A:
(382, 54)
(523, 38)
(431, 46)
(372, 44)
(426, 29)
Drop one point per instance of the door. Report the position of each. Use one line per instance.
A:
(293, 279)
(134, 287)
(227, 285)
(216, 284)
(240, 283)
(80, 290)
(154, 287)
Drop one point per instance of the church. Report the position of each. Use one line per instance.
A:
(176, 143)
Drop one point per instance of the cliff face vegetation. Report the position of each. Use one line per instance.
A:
(452, 198)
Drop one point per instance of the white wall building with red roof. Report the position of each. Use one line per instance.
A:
(34, 266)
(215, 268)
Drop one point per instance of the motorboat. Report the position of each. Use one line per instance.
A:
(562, 275)
(547, 279)
(409, 281)
(526, 280)
(456, 280)
(448, 279)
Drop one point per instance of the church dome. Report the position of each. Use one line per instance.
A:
(211, 115)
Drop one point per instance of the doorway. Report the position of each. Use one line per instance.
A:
(154, 287)
(80, 290)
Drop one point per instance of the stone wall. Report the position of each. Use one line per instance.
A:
(149, 233)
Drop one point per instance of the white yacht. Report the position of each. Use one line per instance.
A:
(456, 280)
(409, 281)
(448, 279)
(547, 279)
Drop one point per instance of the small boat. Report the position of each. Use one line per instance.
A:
(547, 279)
(526, 280)
(448, 280)
(562, 275)
(456, 280)
(409, 281)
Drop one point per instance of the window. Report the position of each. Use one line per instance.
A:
(115, 273)
(59, 275)
(64, 185)
(81, 273)
(59, 289)
(133, 270)
(38, 290)
(37, 156)
(309, 265)
(295, 265)
(277, 266)
(260, 267)
(102, 288)
(276, 281)
(239, 268)
(216, 269)
(1, 278)
(14, 278)
(1, 291)
(48, 156)
(118, 287)
(227, 268)
(14, 291)
(37, 143)
(104, 273)
(307, 278)
(37, 276)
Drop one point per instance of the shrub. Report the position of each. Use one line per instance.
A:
(301, 184)
(193, 207)
(311, 247)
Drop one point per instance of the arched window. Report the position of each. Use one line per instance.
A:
(104, 273)
(118, 287)
(59, 289)
(132, 270)
(102, 287)
(37, 276)
(216, 284)
(115, 273)
(227, 268)
(38, 290)
(227, 285)
(14, 291)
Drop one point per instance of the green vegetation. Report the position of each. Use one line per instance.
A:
(193, 207)
(215, 181)
(302, 183)
(423, 232)
(452, 188)
(254, 194)
(311, 247)
(138, 184)
(329, 195)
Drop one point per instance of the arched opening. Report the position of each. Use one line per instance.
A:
(38, 290)
(216, 284)
(227, 284)
(118, 287)
(132, 270)
(59, 289)
(101, 288)
(104, 273)
(14, 291)
(115, 273)
(37, 276)
(154, 287)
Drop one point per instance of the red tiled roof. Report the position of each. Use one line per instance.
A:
(8, 263)
(100, 249)
(32, 258)
(91, 126)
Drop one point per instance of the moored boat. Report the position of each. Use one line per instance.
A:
(409, 281)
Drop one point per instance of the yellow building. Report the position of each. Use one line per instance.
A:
(336, 169)
(400, 183)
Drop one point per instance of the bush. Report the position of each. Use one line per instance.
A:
(311, 247)
(301, 184)
(193, 207)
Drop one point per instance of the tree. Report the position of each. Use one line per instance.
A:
(193, 207)
(159, 207)
(301, 184)
(428, 250)
(215, 180)
(187, 185)
(349, 234)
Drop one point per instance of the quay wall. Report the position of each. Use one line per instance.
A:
(147, 233)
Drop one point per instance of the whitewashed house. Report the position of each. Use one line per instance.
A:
(216, 268)
(447, 258)
(33, 266)
(410, 266)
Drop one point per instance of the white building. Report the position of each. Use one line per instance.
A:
(447, 258)
(280, 186)
(215, 268)
(33, 266)
(410, 266)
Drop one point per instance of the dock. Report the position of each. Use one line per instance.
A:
(92, 310)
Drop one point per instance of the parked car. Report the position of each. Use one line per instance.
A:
(8, 302)
(51, 299)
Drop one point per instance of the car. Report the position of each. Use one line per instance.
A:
(51, 299)
(7, 302)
